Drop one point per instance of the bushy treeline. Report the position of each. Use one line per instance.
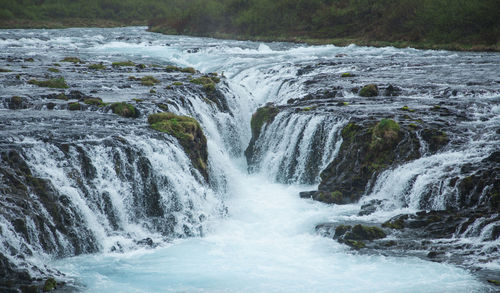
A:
(442, 21)
(124, 11)
(469, 21)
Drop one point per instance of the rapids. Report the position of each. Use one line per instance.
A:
(247, 230)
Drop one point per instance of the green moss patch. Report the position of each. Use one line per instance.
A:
(189, 134)
(347, 74)
(149, 81)
(97, 66)
(262, 116)
(361, 232)
(51, 83)
(94, 102)
(406, 108)
(123, 64)
(74, 60)
(49, 285)
(74, 106)
(124, 110)
(207, 81)
(384, 133)
(370, 90)
(55, 70)
(182, 127)
(5, 70)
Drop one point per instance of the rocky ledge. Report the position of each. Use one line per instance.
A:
(387, 131)
(78, 102)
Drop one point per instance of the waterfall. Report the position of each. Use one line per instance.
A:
(296, 147)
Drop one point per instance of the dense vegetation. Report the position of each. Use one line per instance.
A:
(427, 22)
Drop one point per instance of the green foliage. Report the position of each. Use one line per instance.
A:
(72, 60)
(263, 115)
(51, 83)
(97, 66)
(123, 63)
(124, 110)
(427, 23)
(182, 127)
(49, 285)
(208, 82)
(94, 101)
(406, 108)
(148, 80)
(370, 90)
(74, 106)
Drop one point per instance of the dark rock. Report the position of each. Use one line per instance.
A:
(367, 149)
(392, 91)
(263, 116)
(370, 207)
(146, 241)
(49, 285)
(370, 90)
(360, 232)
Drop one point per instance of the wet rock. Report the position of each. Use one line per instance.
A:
(392, 91)
(367, 149)
(263, 116)
(146, 242)
(189, 134)
(49, 285)
(370, 207)
(16, 103)
(370, 90)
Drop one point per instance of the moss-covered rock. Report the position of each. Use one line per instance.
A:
(74, 60)
(94, 101)
(97, 66)
(54, 70)
(16, 103)
(49, 285)
(406, 108)
(263, 115)
(149, 80)
(5, 70)
(208, 82)
(396, 223)
(494, 282)
(123, 64)
(188, 70)
(367, 149)
(125, 110)
(347, 74)
(51, 83)
(361, 232)
(356, 244)
(74, 106)
(370, 90)
(189, 134)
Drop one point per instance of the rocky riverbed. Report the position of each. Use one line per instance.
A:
(129, 141)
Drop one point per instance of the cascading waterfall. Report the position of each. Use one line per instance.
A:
(295, 147)
(126, 189)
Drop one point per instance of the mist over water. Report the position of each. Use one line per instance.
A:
(259, 235)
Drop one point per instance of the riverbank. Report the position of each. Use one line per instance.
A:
(65, 23)
(343, 42)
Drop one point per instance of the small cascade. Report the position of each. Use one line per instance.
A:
(296, 147)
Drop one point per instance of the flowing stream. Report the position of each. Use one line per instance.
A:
(247, 231)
